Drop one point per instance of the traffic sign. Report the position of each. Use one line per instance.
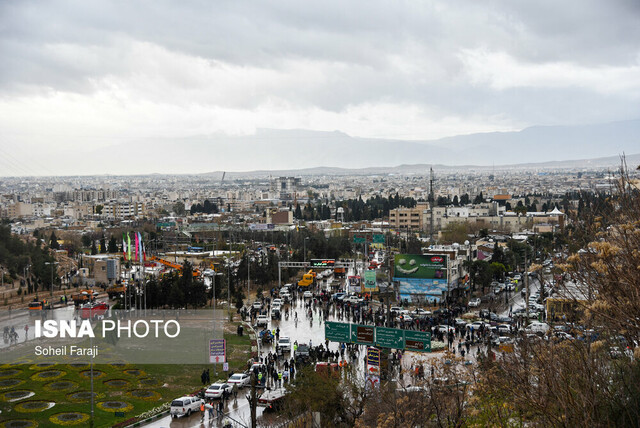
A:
(373, 356)
(337, 331)
(217, 351)
(389, 338)
(378, 239)
(359, 239)
(417, 341)
(363, 334)
(225, 367)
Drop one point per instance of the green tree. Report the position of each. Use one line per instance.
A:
(53, 241)
(178, 208)
(113, 245)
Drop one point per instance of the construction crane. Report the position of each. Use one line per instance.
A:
(172, 265)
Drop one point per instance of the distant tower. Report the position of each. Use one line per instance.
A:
(340, 216)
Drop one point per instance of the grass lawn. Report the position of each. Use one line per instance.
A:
(135, 388)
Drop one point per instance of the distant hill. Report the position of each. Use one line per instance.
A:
(293, 150)
(612, 162)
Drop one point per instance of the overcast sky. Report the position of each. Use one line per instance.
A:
(78, 75)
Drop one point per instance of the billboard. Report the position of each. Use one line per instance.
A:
(321, 263)
(370, 280)
(354, 284)
(428, 266)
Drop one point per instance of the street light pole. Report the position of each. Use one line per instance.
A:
(51, 288)
(305, 248)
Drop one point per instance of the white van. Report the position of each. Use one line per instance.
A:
(185, 406)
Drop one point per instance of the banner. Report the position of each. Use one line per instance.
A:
(430, 266)
(370, 283)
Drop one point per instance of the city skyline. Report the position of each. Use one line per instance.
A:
(83, 79)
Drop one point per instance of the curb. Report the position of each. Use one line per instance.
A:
(148, 420)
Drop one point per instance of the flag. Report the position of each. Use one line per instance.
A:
(140, 245)
(128, 247)
(124, 247)
(137, 243)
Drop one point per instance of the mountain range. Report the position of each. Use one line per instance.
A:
(284, 151)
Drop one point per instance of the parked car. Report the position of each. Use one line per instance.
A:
(307, 294)
(257, 305)
(215, 390)
(537, 327)
(240, 379)
(184, 406)
(504, 329)
(422, 312)
(474, 303)
(286, 296)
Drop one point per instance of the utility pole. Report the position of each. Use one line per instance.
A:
(526, 285)
(253, 402)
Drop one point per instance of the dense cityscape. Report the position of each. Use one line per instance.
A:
(306, 215)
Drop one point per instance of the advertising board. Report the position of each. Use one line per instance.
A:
(429, 266)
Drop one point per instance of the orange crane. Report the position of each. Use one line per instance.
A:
(175, 266)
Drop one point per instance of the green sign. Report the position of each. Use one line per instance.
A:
(359, 239)
(389, 338)
(382, 337)
(428, 266)
(378, 239)
(363, 334)
(337, 331)
(166, 224)
(370, 280)
(417, 341)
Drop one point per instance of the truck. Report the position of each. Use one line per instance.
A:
(307, 279)
(339, 272)
(83, 296)
(116, 290)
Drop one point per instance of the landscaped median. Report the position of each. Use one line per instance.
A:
(34, 394)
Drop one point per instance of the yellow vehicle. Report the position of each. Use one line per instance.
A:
(307, 279)
(116, 290)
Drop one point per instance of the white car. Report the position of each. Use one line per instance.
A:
(476, 325)
(395, 309)
(474, 303)
(257, 305)
(537, 327)
(307, 294)
(504, 329)
(405, 318)
(216, 390)
(422, 312)
(184, 406)
(445, 328)
(353, 299)
(286, 296)
(262, 320)
(284, 343)
(276, 301)
(240, 379)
